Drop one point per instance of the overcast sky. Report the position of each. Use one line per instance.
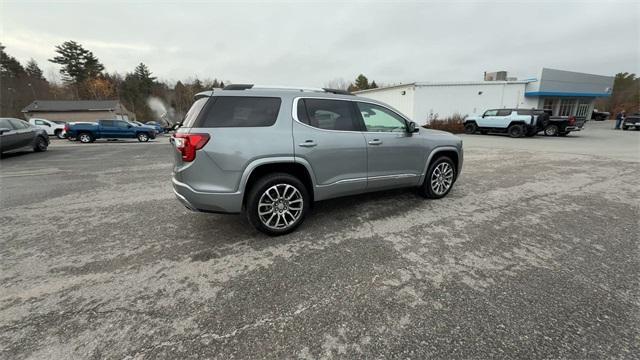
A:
(311, 43)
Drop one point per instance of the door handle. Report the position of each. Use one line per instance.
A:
(308, 143)
(375, 142)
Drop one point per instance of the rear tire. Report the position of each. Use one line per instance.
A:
(439, 178)
(551, 130)
(40, 144)
(625, 127)
(277, 204)
(58, 133)
(85, 138)
(470, 128)
(515, 130)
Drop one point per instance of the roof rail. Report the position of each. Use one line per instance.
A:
(292, 88)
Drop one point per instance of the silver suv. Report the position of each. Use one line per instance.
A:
(272, 152)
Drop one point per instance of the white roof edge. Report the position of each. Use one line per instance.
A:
(448, 83)
(385, 87)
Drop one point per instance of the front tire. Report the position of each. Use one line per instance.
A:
(277, 204)
(439, 179)
(40, 144)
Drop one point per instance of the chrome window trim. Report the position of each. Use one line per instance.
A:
(294, 114)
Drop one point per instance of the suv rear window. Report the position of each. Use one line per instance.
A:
(240, 111)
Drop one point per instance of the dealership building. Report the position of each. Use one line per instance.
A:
(563, 92)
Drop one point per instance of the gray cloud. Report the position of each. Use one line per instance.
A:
(310, 43)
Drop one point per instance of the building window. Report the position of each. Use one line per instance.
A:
(548, 104)
(566, 107)
(583, 108)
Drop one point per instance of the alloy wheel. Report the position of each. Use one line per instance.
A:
(84, 138)
(441, 178)
(280, 206)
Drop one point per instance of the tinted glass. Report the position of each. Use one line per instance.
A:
(122, 124)
(302, 112)
(491, 113)
(525, 112)
(193, 112)
(19, 124)
(331, 114)
(241, 111)
(4, 123)
(504, 112)
(107, 123)
(378, 119)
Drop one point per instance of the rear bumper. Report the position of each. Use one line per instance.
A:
(226, 203)
(572, 128)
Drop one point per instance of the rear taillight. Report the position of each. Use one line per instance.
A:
(66, 127)
(572, 120)
(187, 144)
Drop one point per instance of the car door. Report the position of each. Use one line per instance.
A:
(395, 158)
(488, 119)
(8, 139)
(503, 118)
(327, 135)
(108, 129)
(25, 132)
(125, 129)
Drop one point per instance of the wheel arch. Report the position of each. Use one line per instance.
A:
(450, 151)
(300, 169)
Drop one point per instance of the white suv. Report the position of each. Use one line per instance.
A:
(49, 126)
(515, 122)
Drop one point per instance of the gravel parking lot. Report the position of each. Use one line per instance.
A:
(534, 254)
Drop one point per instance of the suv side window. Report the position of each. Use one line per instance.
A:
(378, 119)
(504, 112)
(240, 111)
(490, 113)
(328, 114)
(19, 124)
(5, 123)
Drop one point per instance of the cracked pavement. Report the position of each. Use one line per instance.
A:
(534, 254)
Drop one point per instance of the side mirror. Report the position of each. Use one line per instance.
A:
(411, 127)
(4, 130)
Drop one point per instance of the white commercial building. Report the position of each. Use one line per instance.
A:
(562, 92)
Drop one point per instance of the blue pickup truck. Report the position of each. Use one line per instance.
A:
(109, 129)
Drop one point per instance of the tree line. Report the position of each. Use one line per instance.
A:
(83, 78)
(625, 95)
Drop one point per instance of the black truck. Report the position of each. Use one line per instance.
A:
(556, 125)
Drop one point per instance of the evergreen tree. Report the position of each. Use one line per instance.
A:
(373, 85)
(9, 66)
(362, 83)
(33, 70)
(78, 64)
(145, 80)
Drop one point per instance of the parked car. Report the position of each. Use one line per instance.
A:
(51, 127)
(515, 122)
(109, 129)
(16, 134)
(157, 128)
(271, 152)
(600, 115)
(631, 121)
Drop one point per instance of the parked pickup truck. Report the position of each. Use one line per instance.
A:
(558, 125)
(109, 129)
